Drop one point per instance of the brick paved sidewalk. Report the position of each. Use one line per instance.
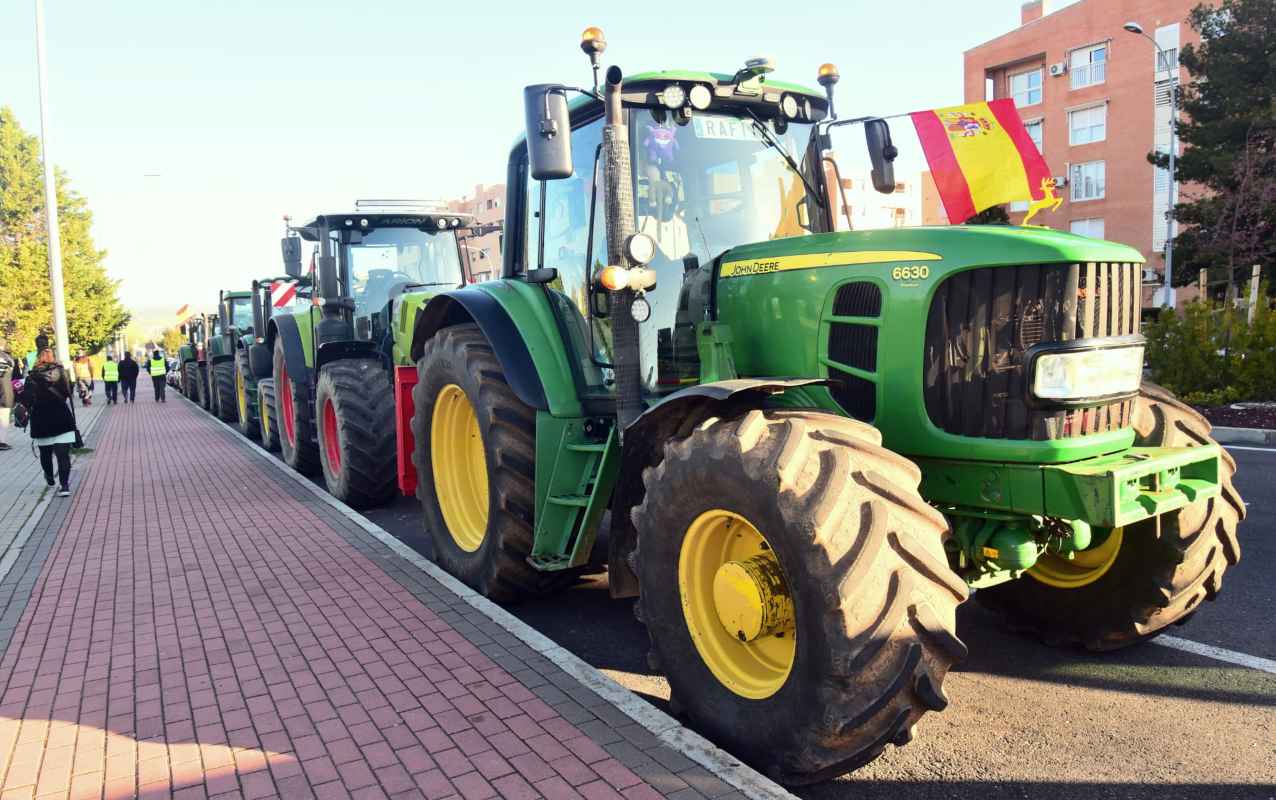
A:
(204, 626)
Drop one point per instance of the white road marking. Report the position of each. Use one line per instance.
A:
(1217, 653)
(1245, 447)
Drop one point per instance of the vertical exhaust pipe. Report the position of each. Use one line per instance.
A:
(618, 183)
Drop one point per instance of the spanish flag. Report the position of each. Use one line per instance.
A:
(981, 156)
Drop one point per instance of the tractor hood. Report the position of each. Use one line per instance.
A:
(985, 245)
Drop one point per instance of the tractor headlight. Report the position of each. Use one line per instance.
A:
(673, 97)
(1079, 371)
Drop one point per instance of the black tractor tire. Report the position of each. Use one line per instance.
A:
(1165, 568)
(498, 568)
(202, 388)
(227, 408)
(245, 401)
(267, 430)
(359, 461)
(190, 381)
(301, 451)
(862, 556)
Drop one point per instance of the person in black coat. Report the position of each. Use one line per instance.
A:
(128, 377)
(47, 394)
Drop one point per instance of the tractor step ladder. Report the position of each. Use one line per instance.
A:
(575, 493)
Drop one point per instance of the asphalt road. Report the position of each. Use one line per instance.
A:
(1026, 720)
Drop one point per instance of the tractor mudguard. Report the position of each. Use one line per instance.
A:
(334, 351)
(259, 361)
(673, 417)
(294, 355)
(473, 305)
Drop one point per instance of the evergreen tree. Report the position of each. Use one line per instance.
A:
(93, 310)
(1228, 125)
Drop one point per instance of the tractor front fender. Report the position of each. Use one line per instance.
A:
(286, 330)
(674, 417)
(518, 323)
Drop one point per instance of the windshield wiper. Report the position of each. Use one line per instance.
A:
(761, 128)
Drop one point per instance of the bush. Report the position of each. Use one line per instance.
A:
(1211, 355)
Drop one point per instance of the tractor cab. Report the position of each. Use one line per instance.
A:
(379, 251)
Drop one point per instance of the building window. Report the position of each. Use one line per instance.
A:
(1088, 65)
(1168, 61)
(1025, 88)
(1088, 125)
(1088, 227)
(1034, 129)
(1087, 180)
(1167, 39)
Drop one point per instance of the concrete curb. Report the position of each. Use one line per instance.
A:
(668, 730)
(1263, 437)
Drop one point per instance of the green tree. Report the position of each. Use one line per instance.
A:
(1229, 128)
(171, 340)
(93, 310)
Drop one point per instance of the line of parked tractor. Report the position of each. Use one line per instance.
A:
(800, 448)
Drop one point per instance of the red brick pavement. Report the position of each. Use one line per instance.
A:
(197, 632)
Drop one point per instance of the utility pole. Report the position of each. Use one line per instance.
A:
(60, 341)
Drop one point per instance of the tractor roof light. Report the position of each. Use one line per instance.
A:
(640, 248)
(673, 97)
(592, 41)
(701, 96)
(828, 75)
(613, 279)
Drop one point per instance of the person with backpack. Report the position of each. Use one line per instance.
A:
(47, 395)
(128, 378)
(10, 370)
(84, 379)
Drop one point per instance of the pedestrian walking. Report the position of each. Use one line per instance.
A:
(10, 370)
(84, 379)
(111, 379)
(159, 373)
(128, 378)
(47, 393)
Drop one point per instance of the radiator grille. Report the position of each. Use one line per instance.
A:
(983, 321)
(854, 345)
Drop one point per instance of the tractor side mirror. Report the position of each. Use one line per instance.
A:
(182, 329)
(291, 246)
(259, 311)
(882, 153)
(549, 145)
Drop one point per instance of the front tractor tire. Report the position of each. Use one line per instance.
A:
(245, 403)
(267, 430)
(224, 406)
(355, 404)
(297, 445)
(798, 597)
(1144, 577)
(475, 459)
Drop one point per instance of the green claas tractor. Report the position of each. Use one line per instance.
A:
(268, 296)
(231, 332)
(337, 365)
(808, 445)
(191, 358)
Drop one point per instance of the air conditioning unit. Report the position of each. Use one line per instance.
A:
(1060, 180)
(1150, 275)
(1058, 68)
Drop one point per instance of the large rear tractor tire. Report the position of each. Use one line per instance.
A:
(297, 445)
(224, 382)
(355, 403)
(245, 398)
(267, 430)
(202, 387)
(1140, 579)
(796, 591)
(475, 459)
(190, 381)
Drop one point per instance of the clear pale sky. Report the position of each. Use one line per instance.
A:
(247, 111)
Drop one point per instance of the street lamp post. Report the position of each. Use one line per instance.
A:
(1167, 298)
(60, 341)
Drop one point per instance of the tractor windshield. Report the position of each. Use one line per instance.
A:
(241, 313)
(392, 258)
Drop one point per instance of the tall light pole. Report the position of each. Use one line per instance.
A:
(60, 341)
(1168, 297)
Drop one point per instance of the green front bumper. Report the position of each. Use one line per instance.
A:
(1105, 491)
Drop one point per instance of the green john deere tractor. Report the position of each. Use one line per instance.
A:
(191, 357)
(811, 444)
(231, 333)
(336, 366)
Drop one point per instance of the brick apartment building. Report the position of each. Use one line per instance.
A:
(1095, 98)
(483, 253)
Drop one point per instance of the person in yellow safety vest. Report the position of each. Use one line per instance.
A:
(111, 379)
(159, 374)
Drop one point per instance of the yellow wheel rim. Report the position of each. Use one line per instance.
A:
(717, 543)
(1084, 568)
(263, 410)
(241, 395)
(460, 467)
